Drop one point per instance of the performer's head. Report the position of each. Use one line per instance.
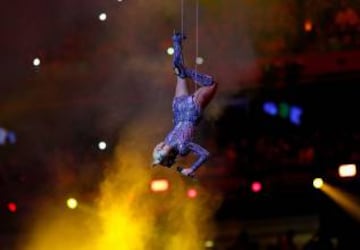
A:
(163, 155)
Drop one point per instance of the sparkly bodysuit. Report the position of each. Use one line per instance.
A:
(187, 115)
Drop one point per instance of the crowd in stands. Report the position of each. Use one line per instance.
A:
(338, 28)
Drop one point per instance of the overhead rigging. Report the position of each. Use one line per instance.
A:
(196, 29)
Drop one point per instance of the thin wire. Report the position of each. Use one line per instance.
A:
(182, 16)
(182, 21)
(197, 31)
(197, 37)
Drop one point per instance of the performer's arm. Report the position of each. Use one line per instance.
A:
(203, 155)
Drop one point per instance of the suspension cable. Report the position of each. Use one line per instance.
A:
(196, 30)
(196, 37)
(182, 21)
(182, 16)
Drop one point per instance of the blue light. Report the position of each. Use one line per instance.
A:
(11, 137)
(3, 134)
(270, 108)
(7, 137)
(295, 115)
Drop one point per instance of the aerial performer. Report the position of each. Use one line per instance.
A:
(187, 110)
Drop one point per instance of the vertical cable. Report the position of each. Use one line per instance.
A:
(197, 31)
(182, 16)
(182, 22)
(197, 37)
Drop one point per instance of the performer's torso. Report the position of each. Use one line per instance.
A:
(185, 110)
(187, 115)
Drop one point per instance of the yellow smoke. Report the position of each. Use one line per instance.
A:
(126, 215)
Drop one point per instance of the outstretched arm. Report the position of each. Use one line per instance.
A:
(203, 155)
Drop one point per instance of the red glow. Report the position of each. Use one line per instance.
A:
(12, 207)
(256, 186)
(308, 26)
(192, 193)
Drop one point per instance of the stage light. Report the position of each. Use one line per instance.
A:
(72, 203)
(102, 145)
(284, 110)
(7, 136)
(199, 60)
(12, 207)
(36, 61)
(102, 17)
(318, 183)
(3, 135)
(209, 244)
(347, 170)
(349, 201)
(295, 115)
(192, 193)
(270, 108)
(170, 51)
(256, 186)
(308, 26)
(11, 137)
(159, 185)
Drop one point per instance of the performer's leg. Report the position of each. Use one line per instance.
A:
(178, 58)
(205, 94)
(181, 87)
(199, 78)
(179, 64)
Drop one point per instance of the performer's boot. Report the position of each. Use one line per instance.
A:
(179, 67)
(199, 78)
(178, 59)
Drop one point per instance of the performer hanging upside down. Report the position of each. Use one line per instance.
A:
(187, 111)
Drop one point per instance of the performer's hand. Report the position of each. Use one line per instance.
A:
(186, 171)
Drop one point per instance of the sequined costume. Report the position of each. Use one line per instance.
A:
(187, 114)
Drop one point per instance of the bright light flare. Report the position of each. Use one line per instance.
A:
(102, 17)
(199, 60)
(12, 207)
(72, 203)
(36, 62)
(308, 26)
(192, 193)
(170, 51)
(209, 244)
(270, 108)
(256, 186)
(347, 170)
(160, 185)
(102, 145)
(318, 183)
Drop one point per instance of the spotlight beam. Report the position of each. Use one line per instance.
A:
(347, 201)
